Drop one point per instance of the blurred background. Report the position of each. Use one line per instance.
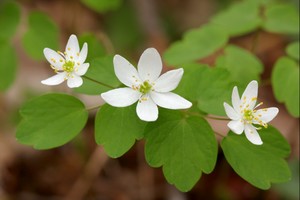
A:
(80, 169)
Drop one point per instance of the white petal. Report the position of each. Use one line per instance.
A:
(266, 114)
(74, 81)
(150, 65)
(235, 98)
(125, 72)
(83, 53)
(81, 70)
(230, 112)
(72, 48)
(55, 59)
(250, 94)
(147, 109)
(252, 134)
(55, 80)
(168, 81)
(170, 100)
(121, 97)
(237, 126)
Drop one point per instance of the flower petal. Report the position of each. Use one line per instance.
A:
(235, 98)
(55, 59)
(74, 81)
(266, 114)
(147, 109)
(168, 81)
(83, 53)
(230, 112)
(125, 72)
(55, 80)
(121, 97)
(250, 94)
(170, 100)
(81, 70)
(252, 134)
(150, 65)
(72, 48)
(236, 126)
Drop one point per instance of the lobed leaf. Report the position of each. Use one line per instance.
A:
(260, 165)
(242, 65)
(196, 44)
(8, 65)
(184, 146)
(51, 120)
(42, 32)
(9, 19)
(101, 70)
(117, 129)
(285, 82)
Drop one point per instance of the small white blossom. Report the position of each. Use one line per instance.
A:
(68, 65)
(244, 115)
(146, 86)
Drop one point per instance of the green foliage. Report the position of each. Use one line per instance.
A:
(184, 146)
(293, 50)
(42, 32)
(95, 47)
(285, 82)
(102, 5)
(9, 19)
(240, 18)
(101, 70)
(117, 129)
(196, 44)
(51, 120)
(281, 18)
(259, 165)
(8, 65)
(242, 65)
(209, 87)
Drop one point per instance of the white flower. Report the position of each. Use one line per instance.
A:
(146, 86)
(244, 115)
(68, 65)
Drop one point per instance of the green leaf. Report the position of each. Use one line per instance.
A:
(101, 70)
(282, 18)
(8, 65)
(51, 120)
(293, 50)
(42, 32)
(285, 82)
(95, 47)
(9, 19)
(102, 5)
(242, 65)
(260, 165)
(196, 44)
(240, 18)
(184, 147)
(209, 87)
(117, 129)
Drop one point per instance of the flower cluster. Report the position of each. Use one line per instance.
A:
(149, 89)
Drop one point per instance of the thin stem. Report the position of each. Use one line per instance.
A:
(219, 134)
(93, 107)
(216, 118)
(109, 86)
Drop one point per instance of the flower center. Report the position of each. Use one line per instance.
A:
(68, 66)
(145, 87)
(248, 115)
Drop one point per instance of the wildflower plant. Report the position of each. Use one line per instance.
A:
(169, 111)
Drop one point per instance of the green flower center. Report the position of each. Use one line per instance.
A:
(248, 115)
(68, 66)
(145, 87)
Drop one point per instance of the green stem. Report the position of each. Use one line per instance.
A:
(217, 118)
(99, 82)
